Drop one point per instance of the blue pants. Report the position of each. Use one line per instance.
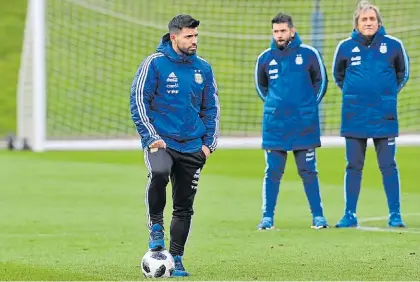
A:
(355, 155)
(306, 165)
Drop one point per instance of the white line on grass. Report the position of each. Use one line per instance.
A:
(380, 229)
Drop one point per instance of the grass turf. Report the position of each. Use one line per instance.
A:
(80, 216)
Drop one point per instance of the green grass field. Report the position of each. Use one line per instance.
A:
(12, 21)
(81, 216)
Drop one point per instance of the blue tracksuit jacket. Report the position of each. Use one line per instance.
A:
(370, 77)
(291, 82)
(175, 98)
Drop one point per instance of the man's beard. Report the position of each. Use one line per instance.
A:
(286, 42)
(187, 51)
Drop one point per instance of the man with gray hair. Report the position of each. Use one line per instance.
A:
(370, 68)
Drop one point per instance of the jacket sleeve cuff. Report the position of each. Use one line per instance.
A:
(207, 144)
(150, 140)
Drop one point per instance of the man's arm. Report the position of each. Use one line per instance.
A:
(142, 91)
(319, 76)
(210, 112)
(339, 66)
(402, 67)
(261, 79)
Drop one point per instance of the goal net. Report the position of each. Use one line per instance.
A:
(74, 86)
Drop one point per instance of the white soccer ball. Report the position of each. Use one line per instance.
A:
(157, 264)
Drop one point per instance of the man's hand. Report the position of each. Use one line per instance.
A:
(158, 144)
(205, 150)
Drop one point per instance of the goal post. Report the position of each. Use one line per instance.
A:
(79, 57)
(31, 95)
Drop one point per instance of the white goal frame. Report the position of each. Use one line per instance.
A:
(32, 98)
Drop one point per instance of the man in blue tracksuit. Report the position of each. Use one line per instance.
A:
(175, 107)
(370, 68)
(290, 78)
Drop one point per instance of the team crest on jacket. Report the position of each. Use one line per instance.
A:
(198, 77)
(383, 48)
(299, 59)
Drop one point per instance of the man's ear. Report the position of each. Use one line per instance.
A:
(172, 36)
(293, 31)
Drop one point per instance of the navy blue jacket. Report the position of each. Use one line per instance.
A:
(291, 82)
(175, 98)
(370, 75)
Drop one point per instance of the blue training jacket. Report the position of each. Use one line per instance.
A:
(370, 77)
(291, 82)
(175, 98)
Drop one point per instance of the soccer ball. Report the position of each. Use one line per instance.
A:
(157, 264)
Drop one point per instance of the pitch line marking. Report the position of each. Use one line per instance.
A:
(381, 229)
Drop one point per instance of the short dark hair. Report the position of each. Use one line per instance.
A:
(181, 21)
(282, 18)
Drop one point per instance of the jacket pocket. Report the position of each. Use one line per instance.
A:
(308, 123)
(166, 124)
(389, 108)
(271, 119)
(307, 112)
(351, 108)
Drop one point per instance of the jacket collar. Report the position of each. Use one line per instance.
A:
(356, 35)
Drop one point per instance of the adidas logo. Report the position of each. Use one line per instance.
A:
(172, 77)
(197, 174)
(355, 49)
(273, 63)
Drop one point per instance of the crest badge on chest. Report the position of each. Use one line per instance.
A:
(299, 59)
(383, 49)
(198, 77)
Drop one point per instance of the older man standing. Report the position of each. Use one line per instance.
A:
(370, 68)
